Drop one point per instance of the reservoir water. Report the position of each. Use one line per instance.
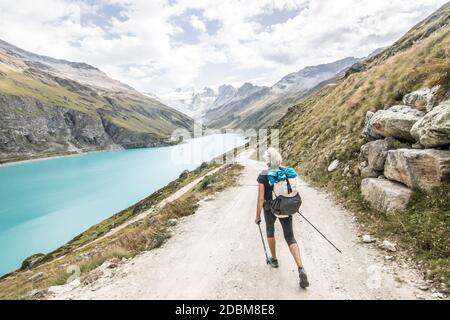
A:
(46, 203)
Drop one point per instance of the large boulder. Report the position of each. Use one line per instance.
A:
(375, 152)
(433, 130)
(395, 122)
(418, 169)
(385, 196)
(421, 99)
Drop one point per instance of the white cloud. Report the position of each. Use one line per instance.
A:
(197, 24)
(141, 42)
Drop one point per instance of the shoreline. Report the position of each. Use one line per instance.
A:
(17, 162)
(75, 153)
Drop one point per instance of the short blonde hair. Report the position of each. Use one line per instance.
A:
(272, 157)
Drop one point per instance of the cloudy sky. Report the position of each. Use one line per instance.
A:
(159, 45)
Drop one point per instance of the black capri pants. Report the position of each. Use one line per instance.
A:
(286, 224)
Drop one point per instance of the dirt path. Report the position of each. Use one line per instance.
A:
(217, 253)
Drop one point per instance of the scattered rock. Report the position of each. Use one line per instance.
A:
(418, 169)
(74, 284)
(388, 258)
(433, 130)
(172, 222)
(39, 294)
(389, 246)
(92, 276)
(423, 287)
(154, 220)
(395, 122)
(368, 239)
(423, 98)
(346, 170)
(384, 195)
(382, 177)
(438, 295)
(58, 290)
(333, 166)
(85, 256)
(105, 265)
(37, 276)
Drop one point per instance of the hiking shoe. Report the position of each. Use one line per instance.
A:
(303, 278)
(273, 262)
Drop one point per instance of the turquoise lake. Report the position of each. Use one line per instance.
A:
(46, 203)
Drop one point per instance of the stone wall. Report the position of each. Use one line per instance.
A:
(407, 149)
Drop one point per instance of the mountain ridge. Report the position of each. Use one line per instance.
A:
(267, 105)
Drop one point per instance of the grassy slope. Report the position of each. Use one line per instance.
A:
(130, 241)
(328, 125)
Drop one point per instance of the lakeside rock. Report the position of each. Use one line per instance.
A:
(433, 130)
(418, 169)
(384, 195)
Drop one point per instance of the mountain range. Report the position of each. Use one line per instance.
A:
(265, 106)
(252, 106)
(50, 106)
(197, 103)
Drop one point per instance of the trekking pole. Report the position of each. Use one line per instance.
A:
(264, 244)
(320, 233)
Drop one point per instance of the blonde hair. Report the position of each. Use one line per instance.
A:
(272, 157)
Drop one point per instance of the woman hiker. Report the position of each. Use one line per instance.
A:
(273, 161)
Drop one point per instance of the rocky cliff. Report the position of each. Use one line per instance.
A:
(51, 107)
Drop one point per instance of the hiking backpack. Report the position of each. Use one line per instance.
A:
(287, 199)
